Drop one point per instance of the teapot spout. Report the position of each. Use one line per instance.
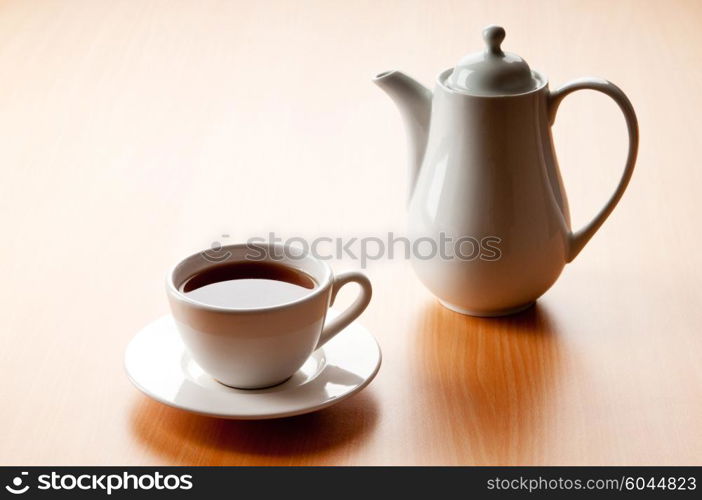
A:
(414, 102)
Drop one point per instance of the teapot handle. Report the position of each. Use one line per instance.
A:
(578, 239)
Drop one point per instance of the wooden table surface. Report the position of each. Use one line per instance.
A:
(135, 132)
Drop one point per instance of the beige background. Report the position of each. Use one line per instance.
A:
(134, 132)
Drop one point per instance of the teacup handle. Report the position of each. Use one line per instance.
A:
(334, 326)
(580, 238)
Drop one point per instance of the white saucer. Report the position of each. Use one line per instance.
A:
(158, 364)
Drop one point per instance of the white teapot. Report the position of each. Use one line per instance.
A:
(484, 178)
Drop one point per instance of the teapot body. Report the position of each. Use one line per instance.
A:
(488, 212)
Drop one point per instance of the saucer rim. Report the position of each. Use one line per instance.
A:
(257, 416)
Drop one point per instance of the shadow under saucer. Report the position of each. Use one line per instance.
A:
(189, 439)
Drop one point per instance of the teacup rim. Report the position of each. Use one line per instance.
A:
(323, 287)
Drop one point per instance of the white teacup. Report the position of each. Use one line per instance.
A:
(258, 347)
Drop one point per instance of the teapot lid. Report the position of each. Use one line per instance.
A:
(492, 72)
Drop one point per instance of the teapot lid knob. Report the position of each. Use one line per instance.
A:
(493, 72)
(493, 36)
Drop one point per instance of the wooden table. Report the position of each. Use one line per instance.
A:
(135, 132)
